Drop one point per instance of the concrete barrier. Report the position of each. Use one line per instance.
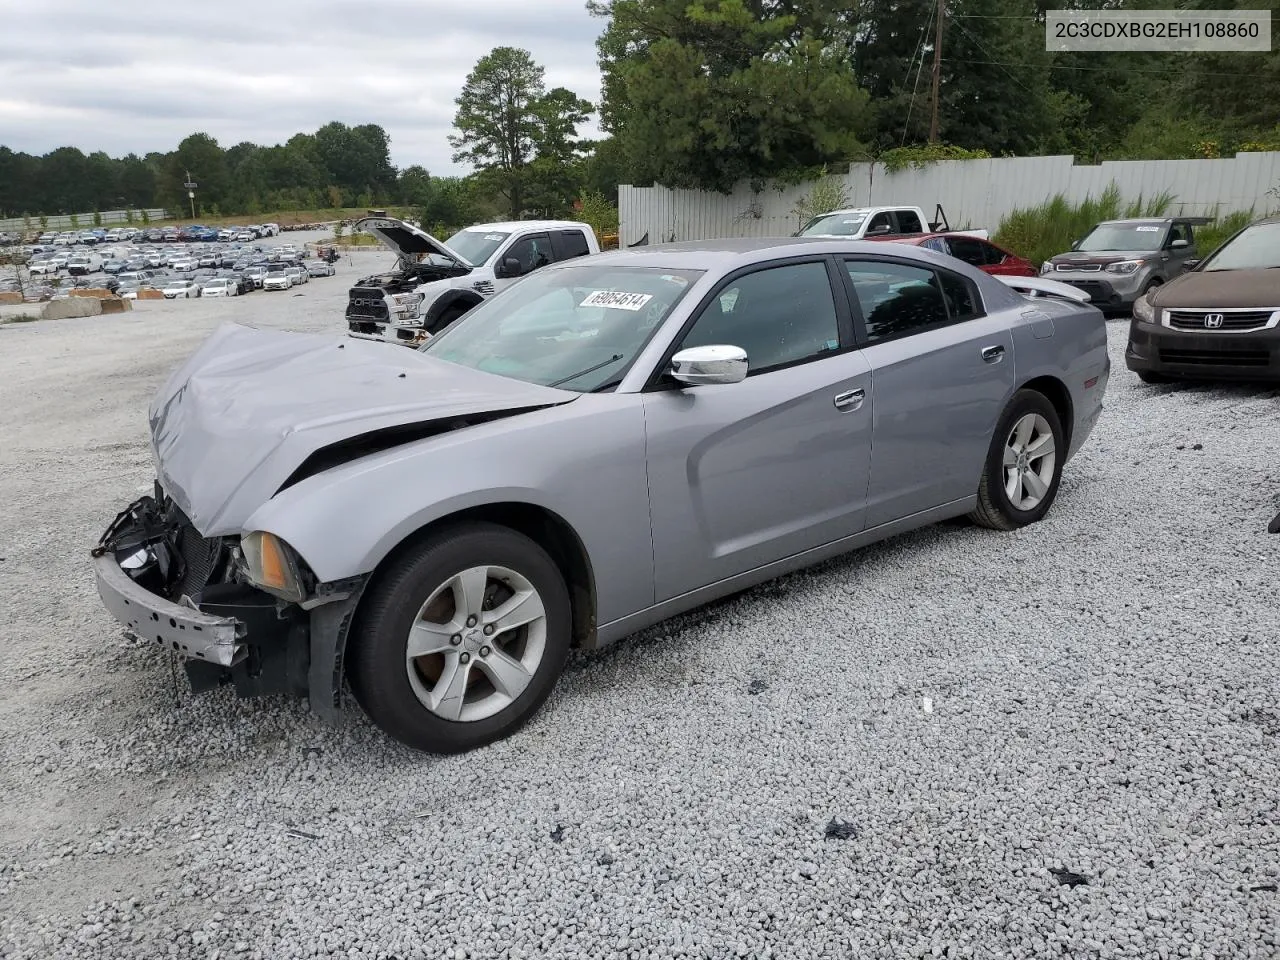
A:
(97, 292)
(146, 293)
(72, 307)
(116, 305)
(10, 296)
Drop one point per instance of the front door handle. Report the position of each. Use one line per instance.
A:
(851, 400)
(993, 354)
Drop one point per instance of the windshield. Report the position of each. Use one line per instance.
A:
(475, 246)
(576, 327)
(834, 225)
(1254, 248)
(1123, 236)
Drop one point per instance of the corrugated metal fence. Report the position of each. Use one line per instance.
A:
(83, 221)
(974, 193)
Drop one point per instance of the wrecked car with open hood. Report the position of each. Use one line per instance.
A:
(434, 282)
(607, 443)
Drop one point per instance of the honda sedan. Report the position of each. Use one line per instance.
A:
(607, 443)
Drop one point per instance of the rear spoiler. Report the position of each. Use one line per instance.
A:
(1040, 287)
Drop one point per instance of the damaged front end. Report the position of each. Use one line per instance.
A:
(189, 594)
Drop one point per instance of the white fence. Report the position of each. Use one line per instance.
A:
(974, 193)
(83, 221)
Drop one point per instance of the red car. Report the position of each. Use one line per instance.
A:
(983, 254)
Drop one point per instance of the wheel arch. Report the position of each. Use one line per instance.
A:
(541, 525)
(1057, 393)
(450, 300)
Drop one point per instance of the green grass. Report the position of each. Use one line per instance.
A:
(19, 318)
(1040, 232)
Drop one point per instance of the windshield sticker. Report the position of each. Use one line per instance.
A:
(616, 300)
(854, 220)
(1147, 229)
(677, 280)
(494, 237)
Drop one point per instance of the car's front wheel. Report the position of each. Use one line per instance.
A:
(1023, 467)
(462, 639)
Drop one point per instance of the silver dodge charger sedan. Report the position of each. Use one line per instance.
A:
(607, 443)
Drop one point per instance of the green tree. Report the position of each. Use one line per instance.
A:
(507, 120)
(705, 93)
(199, 155)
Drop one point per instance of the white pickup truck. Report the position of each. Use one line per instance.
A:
(434, 283)
(864, 223)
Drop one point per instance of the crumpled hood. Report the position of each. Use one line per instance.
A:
(236, 420)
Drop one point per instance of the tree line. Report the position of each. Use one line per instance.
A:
(708, 93)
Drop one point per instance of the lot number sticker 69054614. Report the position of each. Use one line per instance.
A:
(616, 300)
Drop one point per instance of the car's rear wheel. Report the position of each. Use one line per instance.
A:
(1023, 467)
(462, 639)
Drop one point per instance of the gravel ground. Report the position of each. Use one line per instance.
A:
(1057, 742)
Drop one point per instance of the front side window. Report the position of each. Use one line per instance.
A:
(575, 327)
(779, 316)
(532, 252)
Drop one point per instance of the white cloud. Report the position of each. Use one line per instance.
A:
(135, 76)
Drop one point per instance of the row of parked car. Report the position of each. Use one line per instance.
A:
(182, 272)
(194, 233)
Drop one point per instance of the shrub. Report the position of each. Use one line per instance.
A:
(97, 218)
(827, 194)
(75, 222)
(145, 218)
(919, 157)
(1042, 231)
(596, 210)
(128, 215)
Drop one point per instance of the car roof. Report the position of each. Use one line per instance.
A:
(731, 252)
(512, 225)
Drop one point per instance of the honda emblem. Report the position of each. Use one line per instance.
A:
(1213, 320)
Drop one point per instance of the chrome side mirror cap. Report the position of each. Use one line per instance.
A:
(712, 364)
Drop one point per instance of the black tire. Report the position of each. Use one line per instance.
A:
(376, 662)
(449, 315)
(995, 510)
(1150, 376)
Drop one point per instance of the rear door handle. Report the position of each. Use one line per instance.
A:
(993, 354)
(851, 400)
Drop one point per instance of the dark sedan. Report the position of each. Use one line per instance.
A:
(1219, 321)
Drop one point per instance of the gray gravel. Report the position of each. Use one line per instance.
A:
(1057, 742)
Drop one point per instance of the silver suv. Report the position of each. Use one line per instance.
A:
(1120, 260)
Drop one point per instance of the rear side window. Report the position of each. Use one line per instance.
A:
(569, 244)
(908, 222)
(897, 300)
(972, 251)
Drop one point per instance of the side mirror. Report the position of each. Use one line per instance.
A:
(713, 364)
(1075, 244)
(878, 231)
(509, 267)
(1191, 264)
(1178, 244)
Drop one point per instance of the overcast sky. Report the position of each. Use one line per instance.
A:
(133, 76)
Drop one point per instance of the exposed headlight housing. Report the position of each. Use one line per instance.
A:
(1125, 266)
(1143, 311)
(269, 563)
